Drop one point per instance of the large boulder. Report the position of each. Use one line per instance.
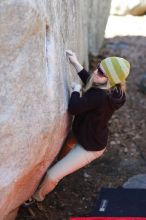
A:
(35, 85)
(124, 7)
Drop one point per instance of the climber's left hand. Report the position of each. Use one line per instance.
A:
(76, 87)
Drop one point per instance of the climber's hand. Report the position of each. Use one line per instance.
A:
(76, 87)
(73, 60)
(72, 57)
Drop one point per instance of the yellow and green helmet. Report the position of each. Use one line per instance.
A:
(116, 69)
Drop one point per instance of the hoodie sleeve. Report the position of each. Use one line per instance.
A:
(90, 100)
(117, 98)
(84, 75)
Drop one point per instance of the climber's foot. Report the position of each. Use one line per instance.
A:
(29, 202)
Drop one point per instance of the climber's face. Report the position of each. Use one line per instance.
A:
(99, 76)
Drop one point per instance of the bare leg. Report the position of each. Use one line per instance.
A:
(77, 158)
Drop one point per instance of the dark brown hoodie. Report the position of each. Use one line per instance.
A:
(92, 112)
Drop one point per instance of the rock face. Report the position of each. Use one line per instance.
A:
(123, 7)
(35, 85)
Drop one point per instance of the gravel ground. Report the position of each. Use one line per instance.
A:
(126, 155)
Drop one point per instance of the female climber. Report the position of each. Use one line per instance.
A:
(103, 93)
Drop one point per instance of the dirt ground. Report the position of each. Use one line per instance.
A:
(126, 155)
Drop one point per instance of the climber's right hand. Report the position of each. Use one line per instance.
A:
(72, 57)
